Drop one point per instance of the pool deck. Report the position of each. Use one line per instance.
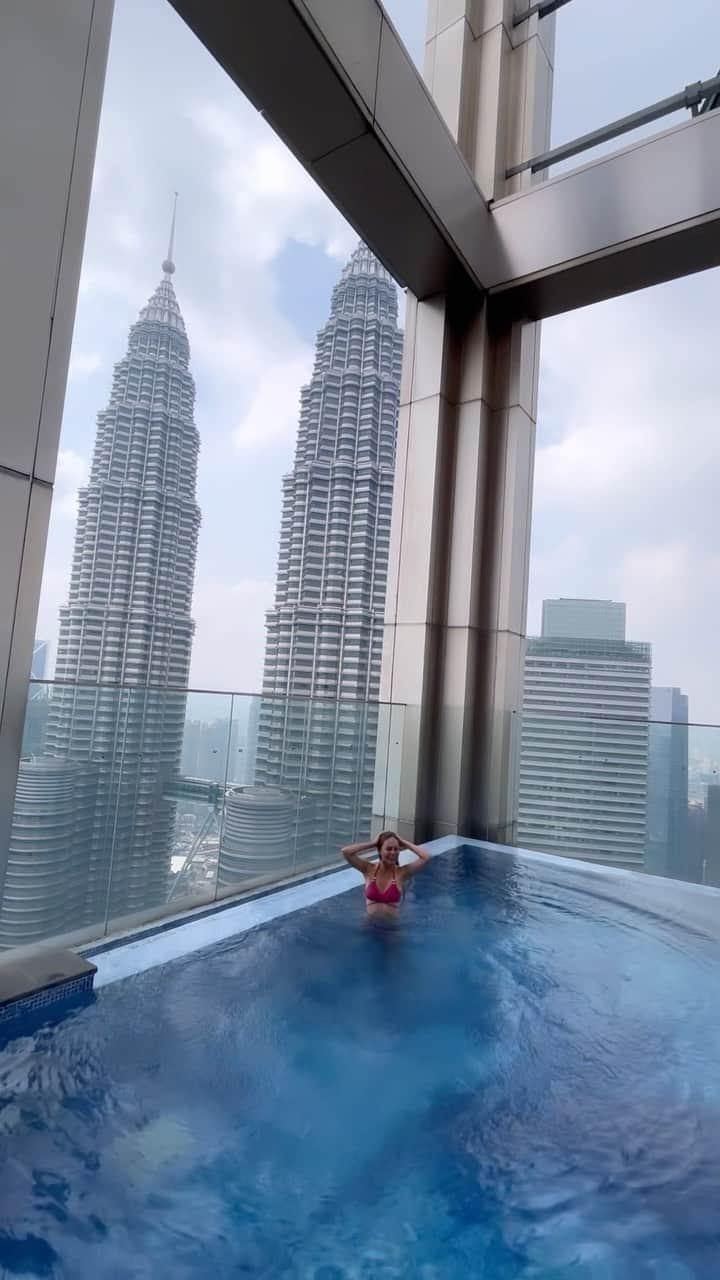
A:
(32, 980)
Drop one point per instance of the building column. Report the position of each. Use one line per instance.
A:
(458, 581)
(52, 69)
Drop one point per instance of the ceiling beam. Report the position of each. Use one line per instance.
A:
(336, 83)
(640, 217)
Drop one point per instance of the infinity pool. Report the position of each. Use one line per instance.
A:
(519, 1081)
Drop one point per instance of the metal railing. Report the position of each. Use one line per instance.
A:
(622, 791)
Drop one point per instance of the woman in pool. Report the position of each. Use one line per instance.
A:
(384, 879)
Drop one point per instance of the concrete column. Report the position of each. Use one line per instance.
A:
(457, 589)
(52, 69)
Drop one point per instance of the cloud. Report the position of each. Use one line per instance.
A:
(267, 194)
(71, 474)
(650, 574)
(621, 386)
(84, 363)
(672, 604)
(272, 414)
(564, 560)
(230, 623)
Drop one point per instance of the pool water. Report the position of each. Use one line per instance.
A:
(521, 1080)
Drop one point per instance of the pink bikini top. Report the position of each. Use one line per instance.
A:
(391, 896)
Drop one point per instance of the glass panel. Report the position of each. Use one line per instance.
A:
(134, 803)
(635, 794)
(239, 457)
(199, 796)
(311, 786)
(164, 824)
(391, 723)
(58, 868)
(259, 828)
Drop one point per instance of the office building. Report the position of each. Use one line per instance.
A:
(583, 619)
(584, 743)
(667, 848)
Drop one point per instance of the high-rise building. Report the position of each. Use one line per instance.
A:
(711, 837)
(127, 621)
(45, 888)
(584, 743)
(318, 725)
(258, 835)
(667, 847)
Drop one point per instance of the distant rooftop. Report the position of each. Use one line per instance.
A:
(583, 619)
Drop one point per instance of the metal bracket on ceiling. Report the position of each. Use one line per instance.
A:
(698, 98)
(710, 103)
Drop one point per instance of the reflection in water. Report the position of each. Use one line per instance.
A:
(517, 1081)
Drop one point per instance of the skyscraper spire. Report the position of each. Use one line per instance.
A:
(168, 265)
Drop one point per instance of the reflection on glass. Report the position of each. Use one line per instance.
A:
(128, 828)
(635, 794)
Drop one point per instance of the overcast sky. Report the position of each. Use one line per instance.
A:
(628, 462)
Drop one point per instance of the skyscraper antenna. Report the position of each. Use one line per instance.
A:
(168, 265)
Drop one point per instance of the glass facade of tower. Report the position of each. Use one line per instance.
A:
(324, 634)
(110, 753)
(585, 737)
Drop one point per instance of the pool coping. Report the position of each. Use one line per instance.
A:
(121, 958)
(164, 923)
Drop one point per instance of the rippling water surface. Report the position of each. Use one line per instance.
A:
(521, 1081)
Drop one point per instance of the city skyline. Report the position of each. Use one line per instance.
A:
(261, 248)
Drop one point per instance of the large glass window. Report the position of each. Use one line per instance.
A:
(227, 351)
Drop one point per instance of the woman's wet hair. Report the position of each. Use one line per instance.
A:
(386, 835)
